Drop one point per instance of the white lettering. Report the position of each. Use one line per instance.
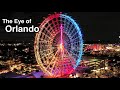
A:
(18, 21)
(9, 28)
(36, 29)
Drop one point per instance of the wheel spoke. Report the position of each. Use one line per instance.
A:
(52, 59)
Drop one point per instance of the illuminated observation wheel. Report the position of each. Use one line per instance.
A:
(58, 45)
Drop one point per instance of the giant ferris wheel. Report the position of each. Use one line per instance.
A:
(58, 45)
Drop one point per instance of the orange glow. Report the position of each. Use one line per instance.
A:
(61, 47)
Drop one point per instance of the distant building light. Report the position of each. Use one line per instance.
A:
(117, 50)
(15, 48)
(23, 74)
(106, 67)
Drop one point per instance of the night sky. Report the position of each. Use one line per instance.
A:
(104, 26)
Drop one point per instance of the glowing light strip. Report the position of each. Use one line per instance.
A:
(61, 29)
(80, 35)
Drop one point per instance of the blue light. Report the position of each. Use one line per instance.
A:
(80, 37)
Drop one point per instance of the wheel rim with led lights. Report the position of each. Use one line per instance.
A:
(58, 45)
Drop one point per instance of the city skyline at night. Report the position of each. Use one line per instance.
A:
(68, 45)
